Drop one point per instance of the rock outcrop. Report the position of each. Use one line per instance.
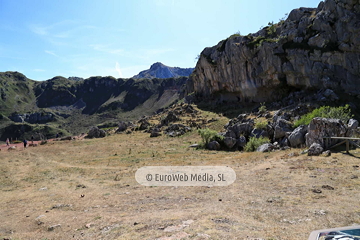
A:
(37, 117)
(314, 48)
(159, 70)
(95, 132)
(324, 127)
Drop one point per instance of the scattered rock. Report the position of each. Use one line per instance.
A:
(171, 117)
(144, 124)
(95, 132)
(316, 190)
(155, 134)
(241, 142)
(328, 187)
(320, 212)
(40, 219)
(57, 206)
(315, 149)
(53, 227)
(214, 145)
(267, 147)
(281, 128)
(326, 153)
(242, 129)
(259, 133)
(297, 137)
(175, 130)
(229, 142)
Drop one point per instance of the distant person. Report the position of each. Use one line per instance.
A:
(7, 142)
(32, 139)
(57, 135)
(25, 143)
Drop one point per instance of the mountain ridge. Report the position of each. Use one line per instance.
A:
(159, 70)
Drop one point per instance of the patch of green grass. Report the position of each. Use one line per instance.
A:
(208, 135)
(342, 113)
(261, 124)
(254, 143)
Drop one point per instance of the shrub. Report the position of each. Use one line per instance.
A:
(262, 108)
(342, 113)
(254, 143)
(261, 124)
(209, 135)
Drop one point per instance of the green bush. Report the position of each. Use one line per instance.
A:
(262, 108)
(342, 113)
(209, 135)
(261, 124)
(254, 143)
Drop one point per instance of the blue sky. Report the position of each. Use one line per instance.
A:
(47, 38)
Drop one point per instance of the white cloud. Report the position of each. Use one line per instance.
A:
(117, 68)
(51, 53)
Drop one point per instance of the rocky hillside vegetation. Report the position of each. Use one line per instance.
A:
(314, 48)
(62, 105)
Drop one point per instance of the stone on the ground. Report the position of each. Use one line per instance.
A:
(267, 147)
(324, 127)
(229, 142)
(315, 149)
(95, 132)
(214, 145)
(297, 137)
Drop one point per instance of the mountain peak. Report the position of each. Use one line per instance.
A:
(159, 70)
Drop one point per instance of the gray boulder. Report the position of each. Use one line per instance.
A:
(95, 132)
(229, 142)
(122, 126)
(171, 117)
(281, 128)
(352, 124)
(324, 127)
(241, 142)
(242, 129)
(259, 133)
(267, 147)
(175, 130)
(315, 149)
(214, 145)
(297, 137)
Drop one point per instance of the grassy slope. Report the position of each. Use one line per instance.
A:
(272, 197)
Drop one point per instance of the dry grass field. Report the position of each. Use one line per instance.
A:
(86, 189)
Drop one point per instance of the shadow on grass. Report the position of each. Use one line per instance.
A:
(230, 110)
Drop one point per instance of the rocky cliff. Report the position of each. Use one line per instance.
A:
(314, 48)
(159, 70)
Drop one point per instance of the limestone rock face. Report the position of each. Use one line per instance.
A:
(313, 48)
